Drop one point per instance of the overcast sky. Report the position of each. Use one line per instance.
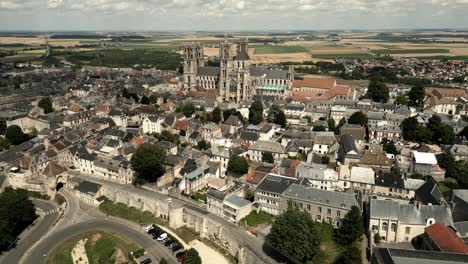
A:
(189, 15)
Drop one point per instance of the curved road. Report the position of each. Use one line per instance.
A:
(155, 249)
(31, 236)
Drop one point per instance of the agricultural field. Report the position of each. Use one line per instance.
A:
(278, 49)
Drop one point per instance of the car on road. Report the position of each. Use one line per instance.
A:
(169, 200)
(162, 236)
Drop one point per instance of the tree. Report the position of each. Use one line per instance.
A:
(325, 159)
(147, 163)
(441, 133)
(15, 135)
(389, 147)
(16, 213)
(298, 225)
(217, 115)
(256, 113)
(203, 145)
(464, 132)
(168, 136)
(277, 116)
(413, 131)
(238, 165)
(192, 257)
(331, 124)
(4, 144)
(268, 157)
(163, 261)
(401, 100)
(46, 104)
(416, 96)
(228, 112)
(351, 227)
(358, 118)
(188, 109)
(145, 100)
(318, 128)
(378, 92)
(350, 255)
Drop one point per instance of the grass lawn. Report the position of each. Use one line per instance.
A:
(186, 234)
(409, 51)
(100, 247)
(129, 213)
(447, 185)
(329, 250)
(344, 56)
(277, 49)
(254, 218)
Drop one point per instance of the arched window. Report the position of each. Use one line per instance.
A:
(384, 226)
(393, 227)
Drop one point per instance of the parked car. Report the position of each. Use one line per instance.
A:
(162, 236)
(176, 247)
(149, 228)
(165, 240)
(173, 244)
(168, 242)
(169, 200)
(180, 256)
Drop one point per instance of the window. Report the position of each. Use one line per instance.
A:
(393, 227)
(407, 230)
(375, 228)
(308, 207)
(320, 209)
(329, 220)
(328, 211)
(319, 218)
(384, 226)
(338, 213)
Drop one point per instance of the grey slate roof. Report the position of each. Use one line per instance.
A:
(270, 146)
(405, 256)
(237, 201)
(208, 71)
(270, 74)
(410, 213)
(88, 187)
(313, 195)
(275, 183)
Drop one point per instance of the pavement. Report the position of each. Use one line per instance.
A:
(207, 254)
(40, 229)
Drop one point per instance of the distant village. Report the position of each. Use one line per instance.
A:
(239, 138)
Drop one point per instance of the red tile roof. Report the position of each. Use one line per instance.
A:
(182, 125)
(314, 82)
(446, 238)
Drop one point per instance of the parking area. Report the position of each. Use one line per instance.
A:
(170, 242)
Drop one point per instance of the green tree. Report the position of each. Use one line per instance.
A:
(228, 112)
(166, 135)
(217, 115)
(268, 157)
(145, 100)
(441, 133)
(389, 147)
(163, 261)
(192, 257)
(147, 163)
(401, 100)
(15, 135)
(277, 116)
(350, 255)
(413, 131)
(318, 128)
(256, 113)
(331, 124)
(46, 104)
(378, 92)
(16, 213)
(358, 118)
(238, 165)
(351, 227)
(4, 144)
(203, 145)
(188, 109)
(298, 225)
(416, 96)
(464, 133)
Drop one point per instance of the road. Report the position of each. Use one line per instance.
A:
(35, 233)
(155, 249)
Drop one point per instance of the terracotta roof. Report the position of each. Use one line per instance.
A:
(139, 140)
(102, 108)
(375, 159)
(182, 125)
(446, 239)
(74, 106)
(314, 82)
(255, 177)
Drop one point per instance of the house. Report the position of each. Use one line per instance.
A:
(378, 133)
(223, 154)
(361, 178)
(194, 179)
(375, 160)
(88, 192)
(348, 152)
(321, 205)
(210, 131)
(459, 152)
(268, 192)
(425, 163)
(235, 208)
(357, 131)
(403, 256)
(323, 142)
(440, 237)
(152, 124)
(318, 176)
(397, 222)
(260, 147)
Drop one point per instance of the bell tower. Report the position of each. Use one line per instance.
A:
(193, 58)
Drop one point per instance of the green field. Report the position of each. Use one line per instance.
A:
(255, 219)
(409, 51)
(129, 213)
(100, 248)
(344, 56)
(278, 49)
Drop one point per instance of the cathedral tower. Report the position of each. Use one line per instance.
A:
(193, 58)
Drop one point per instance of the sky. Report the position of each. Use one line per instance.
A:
(231, 15)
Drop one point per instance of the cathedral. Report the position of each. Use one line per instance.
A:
(236, 79)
